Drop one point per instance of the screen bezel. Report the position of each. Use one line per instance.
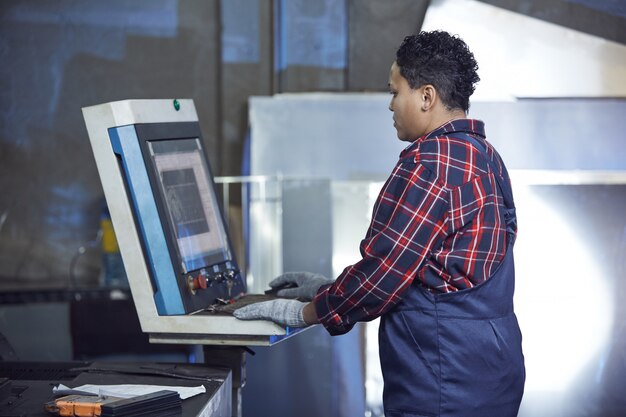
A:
(156, 132)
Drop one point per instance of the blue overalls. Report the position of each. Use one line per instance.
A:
(456, 354)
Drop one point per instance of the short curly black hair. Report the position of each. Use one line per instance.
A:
(442, 60)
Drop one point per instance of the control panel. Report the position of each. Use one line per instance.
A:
(165, 210)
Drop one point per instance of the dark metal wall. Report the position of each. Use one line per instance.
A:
(57, 57)
(603, 18)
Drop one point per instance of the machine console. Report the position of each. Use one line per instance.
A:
(182, 272)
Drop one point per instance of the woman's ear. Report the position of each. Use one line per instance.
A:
(429, 94)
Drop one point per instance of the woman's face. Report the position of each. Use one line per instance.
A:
(406, 104)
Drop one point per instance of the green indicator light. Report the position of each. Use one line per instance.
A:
(176, 104)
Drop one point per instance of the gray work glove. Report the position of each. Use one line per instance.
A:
(283, 312)
(306, 284)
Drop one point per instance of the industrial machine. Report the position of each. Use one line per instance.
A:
(174, 244)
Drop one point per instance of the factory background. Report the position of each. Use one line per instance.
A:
(266, 75)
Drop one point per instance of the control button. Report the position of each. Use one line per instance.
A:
(200, 282)
(190, 285)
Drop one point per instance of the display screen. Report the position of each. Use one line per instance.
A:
(190, 202)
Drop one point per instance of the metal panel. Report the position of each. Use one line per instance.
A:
(376, 29)
(220, 405)
(568, 165)
(318, 135)
(307, 246)
(310, 50)
(291, 229)
(603, 18)
(557, 134)
(524, 57)
(350, 136)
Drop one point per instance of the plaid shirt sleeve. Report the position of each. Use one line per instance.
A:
(438, 220)
(410, 217)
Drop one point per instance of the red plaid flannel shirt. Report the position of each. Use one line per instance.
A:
(438, 222)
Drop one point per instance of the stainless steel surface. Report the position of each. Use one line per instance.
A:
(222, 339)
(568, 166)
(220, 405)
(322, 135)
(351, 137)
(520, 56)
(291, 229)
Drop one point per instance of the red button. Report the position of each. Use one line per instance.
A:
(200, 282)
